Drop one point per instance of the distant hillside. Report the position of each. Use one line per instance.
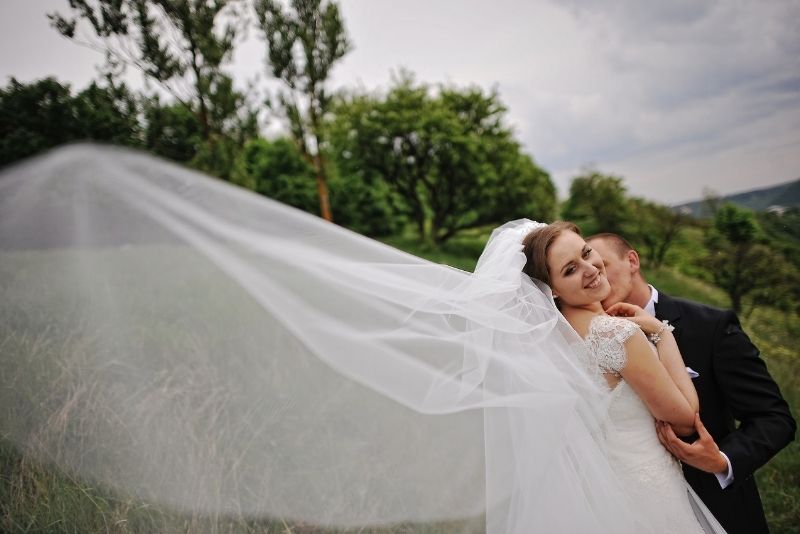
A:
(787, 195)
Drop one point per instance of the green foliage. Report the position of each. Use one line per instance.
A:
(278, 170)
(782, 229)
(597, 203)
(109, 113)
(34, 117)
(688, 254)
(179, 44)
(461, 252)
(172, 130)
(216, 156)
(742, 264)
(304, 43)
(366, 207)
(44, 114)
(655, 227)
(447, 153)
(779, 285)
(737, 225)
(678, 284)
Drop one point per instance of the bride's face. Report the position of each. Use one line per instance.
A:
(577, 275)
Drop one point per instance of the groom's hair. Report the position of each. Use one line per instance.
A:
(617, 242)
(536, 244)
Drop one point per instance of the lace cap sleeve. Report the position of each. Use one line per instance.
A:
(606, 341)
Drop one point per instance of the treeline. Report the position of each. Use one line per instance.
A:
(441, 159)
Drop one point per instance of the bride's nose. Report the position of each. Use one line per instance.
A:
(591, 270)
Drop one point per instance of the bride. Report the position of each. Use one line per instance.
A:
(175, 338)
(642, 365)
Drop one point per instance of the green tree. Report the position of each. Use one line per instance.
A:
(779, 286)
(304, 43)
(598, 203)
(34, 117)
(179, 44)
(738, 260)
(447, 153)
(109, 113)
(368, 207)
(655, 227)
(172, 130)
(278, 170)
(783, 230)
(44, 114)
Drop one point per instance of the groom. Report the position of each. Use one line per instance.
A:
(733, 384)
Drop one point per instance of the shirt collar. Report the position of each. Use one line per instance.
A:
(650, 307)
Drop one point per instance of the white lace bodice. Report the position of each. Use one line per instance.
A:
(652, 476)
(606, 340)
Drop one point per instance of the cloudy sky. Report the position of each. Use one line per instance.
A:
(674, 96)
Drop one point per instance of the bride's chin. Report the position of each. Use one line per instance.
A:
(604, 291)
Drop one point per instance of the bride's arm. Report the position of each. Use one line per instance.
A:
(670, 356)
(662, 383)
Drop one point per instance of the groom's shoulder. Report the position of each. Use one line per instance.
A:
(699, 309)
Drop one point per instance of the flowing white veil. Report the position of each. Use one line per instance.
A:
(202, 347)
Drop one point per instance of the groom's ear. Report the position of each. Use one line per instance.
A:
(633, 260)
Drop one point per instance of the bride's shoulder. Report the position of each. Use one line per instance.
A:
(606, 341)
(607, 327)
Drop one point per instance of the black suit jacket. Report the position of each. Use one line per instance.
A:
(734, 385)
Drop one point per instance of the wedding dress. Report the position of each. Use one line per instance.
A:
(181, 340)
(650, 475)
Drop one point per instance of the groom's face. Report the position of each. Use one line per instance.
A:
(619, 271)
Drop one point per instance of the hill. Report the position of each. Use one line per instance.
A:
(786, 195)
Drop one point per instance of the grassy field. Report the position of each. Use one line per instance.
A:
(35, 496)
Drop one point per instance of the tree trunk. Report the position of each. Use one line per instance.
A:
(421, 226)
(204, 123)
(322, 189)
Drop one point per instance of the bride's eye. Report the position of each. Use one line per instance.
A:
(586, 252)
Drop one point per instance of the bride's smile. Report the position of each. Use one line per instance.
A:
(595, 283)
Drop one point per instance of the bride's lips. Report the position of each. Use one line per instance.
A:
(595, 283)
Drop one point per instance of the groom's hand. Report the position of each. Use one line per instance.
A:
(702, 454)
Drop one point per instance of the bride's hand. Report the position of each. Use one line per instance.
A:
(632, 312)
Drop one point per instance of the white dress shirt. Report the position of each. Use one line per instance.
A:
(725, 479)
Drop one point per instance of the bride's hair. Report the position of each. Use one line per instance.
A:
(536, 244)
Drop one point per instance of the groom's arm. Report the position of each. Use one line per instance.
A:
(753, 398)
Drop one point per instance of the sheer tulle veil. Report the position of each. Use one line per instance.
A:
(174, 337)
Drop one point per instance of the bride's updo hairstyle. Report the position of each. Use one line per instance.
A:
(537, 243)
